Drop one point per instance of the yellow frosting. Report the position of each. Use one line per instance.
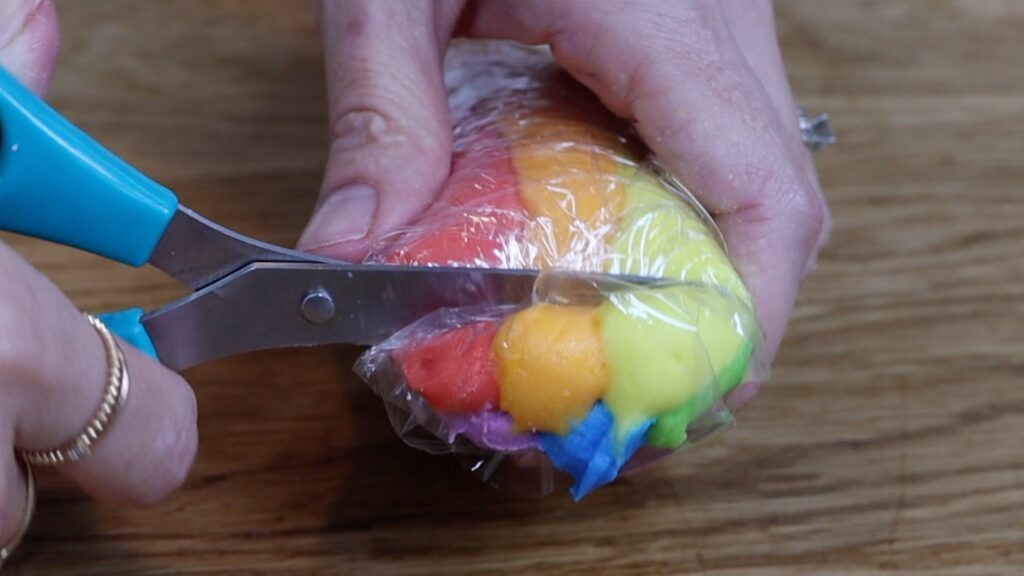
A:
(654, 355)
(644, 353)
(663, 236)
(666, 347)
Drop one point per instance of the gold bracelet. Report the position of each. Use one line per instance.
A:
(114, 398)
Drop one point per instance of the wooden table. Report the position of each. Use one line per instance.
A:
(891, 440)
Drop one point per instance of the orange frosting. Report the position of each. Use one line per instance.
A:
(571, 182)
(551, 369)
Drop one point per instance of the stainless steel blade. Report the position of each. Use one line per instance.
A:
(262, 306)
(282, 305)
(199, 252)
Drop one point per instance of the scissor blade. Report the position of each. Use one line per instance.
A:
(199, 252)
(261, 306)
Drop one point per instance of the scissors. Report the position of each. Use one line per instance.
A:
(60, 185)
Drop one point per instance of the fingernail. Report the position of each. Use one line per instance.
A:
(345, 215)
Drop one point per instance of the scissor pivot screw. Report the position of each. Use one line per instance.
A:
(318, 307)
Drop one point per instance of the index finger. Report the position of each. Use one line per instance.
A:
(55, 368)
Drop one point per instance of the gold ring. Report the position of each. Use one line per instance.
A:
(30, 508)
(114, 398)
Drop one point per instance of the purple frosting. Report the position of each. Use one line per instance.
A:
(491, 430)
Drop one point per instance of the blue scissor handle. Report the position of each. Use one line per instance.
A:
(58, 184)
(128, 325)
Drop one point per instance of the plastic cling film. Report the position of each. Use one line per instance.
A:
(590, 380)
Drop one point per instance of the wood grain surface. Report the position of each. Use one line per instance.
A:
(891, 440)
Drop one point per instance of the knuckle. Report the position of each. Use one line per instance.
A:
(374, 135)
(430, 161)
(28, 30)
(638, 85)
(690, 26)
(820, 230)
(375, 107)
(20, 340)
(814, 214)
(18, 19)
(174, 449)
(702, 13)
(369, 142)
(825, 220)
(782, 196)
(15, 352)
(361, 127)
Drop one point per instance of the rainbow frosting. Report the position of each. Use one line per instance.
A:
(544, 178)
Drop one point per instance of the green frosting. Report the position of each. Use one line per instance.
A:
(669, 430)
(672, 352)
(663, 236)
(656, 358)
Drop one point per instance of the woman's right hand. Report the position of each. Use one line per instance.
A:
(53, 365)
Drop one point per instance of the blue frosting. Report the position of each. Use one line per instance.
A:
(590, 451)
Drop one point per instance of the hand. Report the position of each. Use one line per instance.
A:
(703, 81)
(53, 364)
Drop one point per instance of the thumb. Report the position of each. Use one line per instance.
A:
(391, 136)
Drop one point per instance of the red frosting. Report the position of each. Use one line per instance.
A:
(454, 371)
(477, 214)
